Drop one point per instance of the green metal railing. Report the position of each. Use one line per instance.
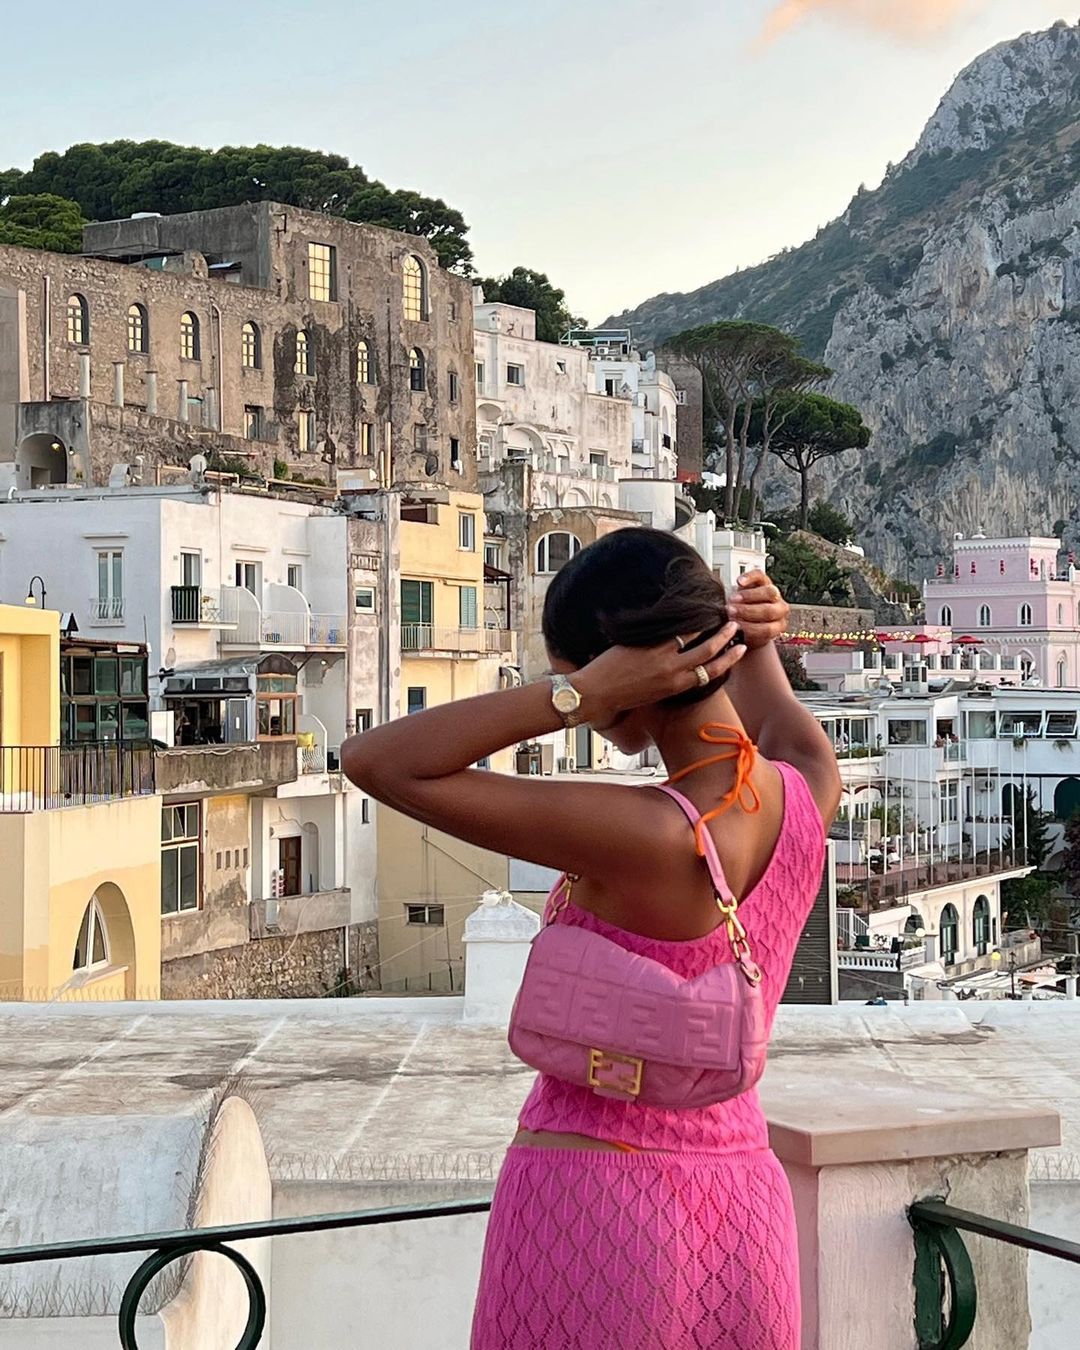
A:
(946, 1297)
(164, 1248)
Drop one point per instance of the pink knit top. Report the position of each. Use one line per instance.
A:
(774, 913)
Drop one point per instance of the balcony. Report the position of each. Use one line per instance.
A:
(894, 886)
(198, 770)
(49, 777)
(196, 607)
(423, 639)
(105, 611)
(286, 623)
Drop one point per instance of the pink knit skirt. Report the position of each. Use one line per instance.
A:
(639, 1251)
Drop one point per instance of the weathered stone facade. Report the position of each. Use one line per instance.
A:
(690, 413)
(299, 965)
(228, 268)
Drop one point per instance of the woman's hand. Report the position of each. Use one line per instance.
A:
(759, 609)
(631, 677)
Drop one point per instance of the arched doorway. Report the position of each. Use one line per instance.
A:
(913, 923)
(980, 925)
(950, 935)
(1067, 798)
(41, 461)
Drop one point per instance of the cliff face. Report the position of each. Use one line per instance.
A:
(947, 301)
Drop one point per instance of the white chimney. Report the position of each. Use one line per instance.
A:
(497, 938)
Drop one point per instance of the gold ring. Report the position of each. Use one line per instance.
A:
(702, 675)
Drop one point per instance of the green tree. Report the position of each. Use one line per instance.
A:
(827, 522)
(533, 290)
(810, 427)
(1027, 902)
(1032, 826)
(112, 180)
(1071, 859)
(804, 576)
(740, 364)
(42, 220)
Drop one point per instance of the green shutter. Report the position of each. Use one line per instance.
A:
(467, 607)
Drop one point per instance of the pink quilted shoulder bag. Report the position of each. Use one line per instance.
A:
(594, 1014)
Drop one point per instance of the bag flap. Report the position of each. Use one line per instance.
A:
(583, 988)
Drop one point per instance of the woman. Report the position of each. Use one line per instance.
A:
(615, 1223)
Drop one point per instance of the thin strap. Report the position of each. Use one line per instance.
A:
(708, 852)
(741, 749)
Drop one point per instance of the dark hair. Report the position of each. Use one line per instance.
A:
(633, 588)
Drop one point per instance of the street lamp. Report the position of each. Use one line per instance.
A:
(30, 591)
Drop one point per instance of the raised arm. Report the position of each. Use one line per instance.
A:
(767, 706)
(420, 764)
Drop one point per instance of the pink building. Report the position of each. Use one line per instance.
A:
(1015, 597)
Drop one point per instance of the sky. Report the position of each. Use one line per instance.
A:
(623, 149)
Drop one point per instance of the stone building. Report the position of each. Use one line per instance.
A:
(281, 339)
(690, 413)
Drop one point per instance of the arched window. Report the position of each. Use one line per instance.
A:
(1060, 615)
(1027, 665)
(555, 549)
(417, 370)
(138, 329)
(251, 346)
(189, 337)
(1067, 798)
(92, 944)
(1062, 672)
(363, 363)
(78, 320)
(984, 616)
(980, 925)
(945, 617)
(1025, 616)
(414, 288)
(302, 365)
(950, 935)
(1012, 804)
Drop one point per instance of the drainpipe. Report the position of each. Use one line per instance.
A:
(219, 407)
(182, 409)
(84, 374)
(118, 383)
(151, 392)
(46, 337)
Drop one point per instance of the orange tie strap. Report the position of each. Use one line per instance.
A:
(741, 749)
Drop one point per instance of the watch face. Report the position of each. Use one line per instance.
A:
(566, 699)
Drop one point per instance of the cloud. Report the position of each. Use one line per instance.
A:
(914, 20)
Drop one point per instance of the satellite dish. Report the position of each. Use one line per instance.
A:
(197, 464)
(431, 465)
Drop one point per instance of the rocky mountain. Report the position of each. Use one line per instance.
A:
(947, 301)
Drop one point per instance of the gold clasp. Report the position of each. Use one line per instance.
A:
(615, 1073)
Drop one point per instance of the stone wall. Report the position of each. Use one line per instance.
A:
(829, 619)
(302, 965)
(689, 418)
(271, 245)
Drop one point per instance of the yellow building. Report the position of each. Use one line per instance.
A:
(453, 646)
(79, 838)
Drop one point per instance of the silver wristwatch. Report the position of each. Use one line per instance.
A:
(566, 700)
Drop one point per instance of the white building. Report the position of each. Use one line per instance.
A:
(247, 604)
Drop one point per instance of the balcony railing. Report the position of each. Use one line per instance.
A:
(165, 1248)
(46, 777)
(422, 637)
(943, 1268)
(195, 605)
(896, 884)
(106, 610)
(252, 626)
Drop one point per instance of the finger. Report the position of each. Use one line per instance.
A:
(705, 652)
(755, 577)
(760, 595)
(721, 664)
(752, 615)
